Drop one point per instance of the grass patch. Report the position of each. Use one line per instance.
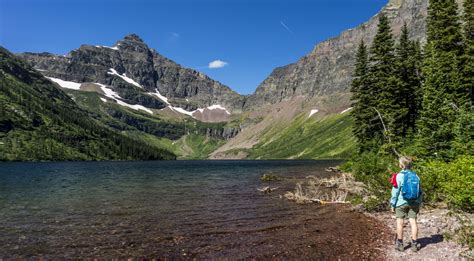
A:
(197, 146)
(307, 138)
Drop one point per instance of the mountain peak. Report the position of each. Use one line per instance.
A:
(132, 42)
(133, 37)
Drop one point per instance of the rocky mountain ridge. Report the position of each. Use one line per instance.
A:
(130, 58)
(327, 69)
(296, 103)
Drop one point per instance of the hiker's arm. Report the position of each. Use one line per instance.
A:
(420, 198)
(393, 200)
(395, 193)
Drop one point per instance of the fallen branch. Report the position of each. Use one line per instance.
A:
(267, 190)
(332, 190)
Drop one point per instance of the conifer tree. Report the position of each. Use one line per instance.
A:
(409, 74)
(383, 81)
(437, 115)
(464, 132)
(464, 125)
(442, 88)
(468, 58)
(361, 111)
(418, 57)
(445, 35)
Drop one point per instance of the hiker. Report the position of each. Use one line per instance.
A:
(405, 202)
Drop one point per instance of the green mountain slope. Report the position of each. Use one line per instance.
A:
(307, 138)
(38, 121)
(195, 146)
(187, 138)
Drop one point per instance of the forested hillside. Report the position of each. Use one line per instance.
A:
(38, 121)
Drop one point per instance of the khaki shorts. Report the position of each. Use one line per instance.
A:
(407, 211)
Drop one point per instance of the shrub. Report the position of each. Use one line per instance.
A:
(452, 182)
(371, 169)
(449, 182)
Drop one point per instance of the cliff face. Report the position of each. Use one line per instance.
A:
(132, 58)
(328, 68)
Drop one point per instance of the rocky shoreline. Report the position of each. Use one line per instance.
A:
(435, 229)
(440, 229)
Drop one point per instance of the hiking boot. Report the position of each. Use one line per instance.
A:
(415, 246)
(399, 246)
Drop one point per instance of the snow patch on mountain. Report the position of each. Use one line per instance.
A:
(218, 107)
(124, 77)
(103, 46)
(312, 112)
(161, 97)
(66, 84)
(108, 92)
(113, 95)
(183, 111)
(346, 110)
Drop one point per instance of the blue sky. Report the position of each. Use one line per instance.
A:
(249, 38)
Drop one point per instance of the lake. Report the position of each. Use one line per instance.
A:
(170, 210)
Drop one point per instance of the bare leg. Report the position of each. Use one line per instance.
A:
(400, 228)
(414, 229)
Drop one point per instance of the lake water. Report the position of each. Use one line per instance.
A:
(164, 209)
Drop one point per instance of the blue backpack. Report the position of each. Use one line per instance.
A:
(411, 186)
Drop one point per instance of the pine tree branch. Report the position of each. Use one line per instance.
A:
(453, 105)
(386, 131)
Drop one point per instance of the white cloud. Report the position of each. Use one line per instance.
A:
(286, 27)
(217, 64)
(173, 37)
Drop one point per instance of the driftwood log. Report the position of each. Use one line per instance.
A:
(267, 189)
